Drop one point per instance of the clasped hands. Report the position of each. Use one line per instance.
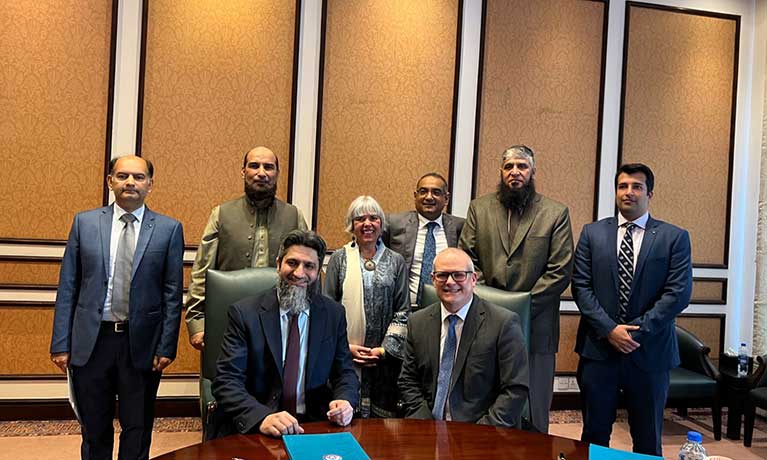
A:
(366, 357)
(621, 339)
(281, 423)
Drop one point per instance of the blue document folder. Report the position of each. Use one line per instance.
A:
(605, 453)
(332, 446)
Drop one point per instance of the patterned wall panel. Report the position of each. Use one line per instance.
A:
(387, 103)
(709, 291)
(541, 73)
(678, 106)
(55, 80)
(218, 81)
(29, 272)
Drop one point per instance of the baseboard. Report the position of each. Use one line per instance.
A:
(59, 409)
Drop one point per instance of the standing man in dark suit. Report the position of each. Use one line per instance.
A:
(118, 311)
(633, 276)
(465, 359)
(420, 235)
(241, 233)
(522, 241)
(285, 357)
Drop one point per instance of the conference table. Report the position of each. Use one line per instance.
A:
(399, 439)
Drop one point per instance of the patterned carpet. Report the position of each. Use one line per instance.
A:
(700, 417)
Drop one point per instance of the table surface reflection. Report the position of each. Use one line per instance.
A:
(398, 439)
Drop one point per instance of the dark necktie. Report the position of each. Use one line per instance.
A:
(290, 370)
(445, 370)
(625, 270)
(427, 263)
(126, 247)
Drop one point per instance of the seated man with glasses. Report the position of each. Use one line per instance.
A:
(465, 359)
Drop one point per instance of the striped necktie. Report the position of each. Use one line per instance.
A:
(625, 270)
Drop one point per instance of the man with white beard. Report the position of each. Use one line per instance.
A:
(272, 374)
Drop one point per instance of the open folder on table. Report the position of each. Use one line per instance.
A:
(331, 446)
(605, 453)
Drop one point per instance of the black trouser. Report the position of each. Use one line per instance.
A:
(108, 373)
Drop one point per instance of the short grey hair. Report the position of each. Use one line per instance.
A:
(362, 205)
(518, 151)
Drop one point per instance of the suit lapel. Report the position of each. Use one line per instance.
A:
(474, 319)
(528, 216)
(647, 241)
(434, 331)
(147, 226)
(411, 234)
(271, 328)
(612, 251)
(105, 230)
(502, 225)
(317, 321)
(449, 225)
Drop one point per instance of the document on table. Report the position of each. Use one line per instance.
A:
(605, 453)
(71, 388)
(331, 446)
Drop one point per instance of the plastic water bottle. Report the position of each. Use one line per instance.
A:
(693, 449)
(742, 360)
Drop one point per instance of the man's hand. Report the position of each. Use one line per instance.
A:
(197, 340)
(279, 424)
(61, 360)
(363, 356)
(160, 363)
(621, 340)
(340, 412)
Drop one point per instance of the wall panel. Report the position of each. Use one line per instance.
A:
(55, 62)
(29, 272)
(218, 80)
(678, 117)
(542, 69)
(387, 98)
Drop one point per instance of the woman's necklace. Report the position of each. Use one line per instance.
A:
(369, 264)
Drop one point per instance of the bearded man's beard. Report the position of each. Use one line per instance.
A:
(295, 299)
(260, 199)
(515, 199)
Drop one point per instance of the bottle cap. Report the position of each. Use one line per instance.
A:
(742, 344)
(694, 436)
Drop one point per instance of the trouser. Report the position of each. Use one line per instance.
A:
(644, 393)
(108, 373)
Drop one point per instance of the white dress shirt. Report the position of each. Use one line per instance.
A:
(303, 330)
(637, 235)
(420, 242)
(443, 336)
(117, 227)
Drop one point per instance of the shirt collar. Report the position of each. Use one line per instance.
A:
(461, 313)
(138, 213)
(641, 222)
(422, 221)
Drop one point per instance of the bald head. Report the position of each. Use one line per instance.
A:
(261, 152)
(453, 256)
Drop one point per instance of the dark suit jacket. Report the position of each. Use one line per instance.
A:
(155, 295)
(660, 291)
(539, 260)
(402, 232)
(248, 384)
(489, 383)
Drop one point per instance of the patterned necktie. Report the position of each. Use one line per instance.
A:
(427, 263)
(445, 370)
(625, 270)
(126, 247)
(290, 370)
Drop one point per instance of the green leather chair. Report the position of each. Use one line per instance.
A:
(695, 383)
(518, 302)
(757, 397)
(223, 289)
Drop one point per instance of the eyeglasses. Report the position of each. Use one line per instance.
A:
(458, 277)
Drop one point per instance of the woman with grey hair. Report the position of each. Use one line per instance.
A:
(371, 282)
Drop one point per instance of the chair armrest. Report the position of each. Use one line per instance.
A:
(759, 377)
(208, 402)
(694, 354)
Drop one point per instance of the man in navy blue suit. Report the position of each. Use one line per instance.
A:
(632, 277)
(118, 311)
(285, 357)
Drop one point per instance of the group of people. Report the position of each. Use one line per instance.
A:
(361, 342)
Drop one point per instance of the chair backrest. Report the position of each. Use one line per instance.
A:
(223, 288)
(518, 302)
(693, 354)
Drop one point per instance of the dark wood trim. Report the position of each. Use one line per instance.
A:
(29, 258)
(141, 76)
(456, 81)
(569, 400)
(29, 287)
(318, 142)
(600, 119)
(478, 113)
(34, 241)
(110, 100)
(27, 303)
(721, 301)
(294, 101)
(733, 117)
(63, 378)
(59, 409)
